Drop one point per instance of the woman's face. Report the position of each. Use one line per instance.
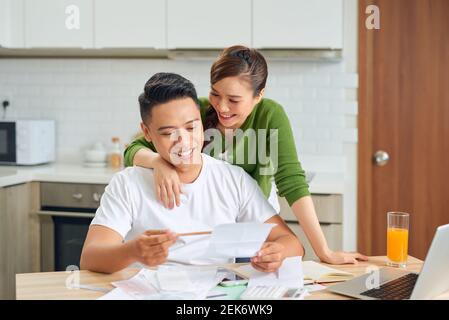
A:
(233, 100)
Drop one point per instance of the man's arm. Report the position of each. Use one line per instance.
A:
(281, 243)
(284, 235)
(104, 249)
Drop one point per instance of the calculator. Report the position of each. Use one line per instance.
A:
(273, 293)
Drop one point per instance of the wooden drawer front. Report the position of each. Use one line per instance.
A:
(71, 194)
(329, 208)
(332, 232)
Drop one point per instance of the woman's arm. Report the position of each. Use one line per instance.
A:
(146, 158)
(291, 182)
(166, 180)
(134, 147)
(304, 211)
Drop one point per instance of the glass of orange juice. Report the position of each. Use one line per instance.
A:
(397, 239)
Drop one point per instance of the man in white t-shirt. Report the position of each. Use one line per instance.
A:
(132, 226)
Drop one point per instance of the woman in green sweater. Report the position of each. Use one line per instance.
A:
(255, 134)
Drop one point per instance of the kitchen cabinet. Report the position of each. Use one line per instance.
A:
(208, 24)
(169, 24)
(298, 24)
(19, 235)
(329, 210)
(11, 24)
(130, 24)
(59, 23)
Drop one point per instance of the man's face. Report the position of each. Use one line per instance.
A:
(176, 130)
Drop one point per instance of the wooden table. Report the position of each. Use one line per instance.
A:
(52, 285)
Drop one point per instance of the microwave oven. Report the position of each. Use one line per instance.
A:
(27, 142)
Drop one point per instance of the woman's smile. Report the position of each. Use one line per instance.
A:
(226, 117)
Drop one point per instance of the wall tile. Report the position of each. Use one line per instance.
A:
(95, 99)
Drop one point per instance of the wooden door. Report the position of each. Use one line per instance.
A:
(404, 110)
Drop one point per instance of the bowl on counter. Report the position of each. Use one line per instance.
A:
(95, 156)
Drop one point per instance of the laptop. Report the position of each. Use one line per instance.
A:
(398, 284)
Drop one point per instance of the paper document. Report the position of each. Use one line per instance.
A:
(116, 294)
(290, 275)
(168, 282)
(174, 280)
(141, 286)
(235, 240)
(314, 287)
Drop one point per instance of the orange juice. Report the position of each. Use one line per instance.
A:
(397, 244)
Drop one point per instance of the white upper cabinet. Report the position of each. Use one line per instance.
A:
(208, 24)
(171, 24)
(11, 24)
(130, 23)
(298, 24)
(59, 23)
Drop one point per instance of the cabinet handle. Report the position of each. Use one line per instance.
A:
(96, 196)
(77, 196)
(65, 214)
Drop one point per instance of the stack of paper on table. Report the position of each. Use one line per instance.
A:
(168, 282)
(184, 282)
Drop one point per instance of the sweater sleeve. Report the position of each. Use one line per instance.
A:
(135, 146)
(289, 177)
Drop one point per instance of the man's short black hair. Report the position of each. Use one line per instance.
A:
(162, 88)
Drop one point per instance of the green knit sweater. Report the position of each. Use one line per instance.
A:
(267, 114)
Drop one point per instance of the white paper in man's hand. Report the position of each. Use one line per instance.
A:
(235, 240)
(290, 274)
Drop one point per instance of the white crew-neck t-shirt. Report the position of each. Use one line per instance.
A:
(222, 193)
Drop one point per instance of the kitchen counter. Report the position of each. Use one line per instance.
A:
(70, 173)
(324, 183)
(327, 183)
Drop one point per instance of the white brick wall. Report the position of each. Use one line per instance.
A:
(95, 99)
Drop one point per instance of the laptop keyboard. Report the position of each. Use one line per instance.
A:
(397, 289)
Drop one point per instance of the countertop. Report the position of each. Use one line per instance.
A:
(322, 182)
(56, 172)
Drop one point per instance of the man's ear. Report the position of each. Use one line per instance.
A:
(146, 131)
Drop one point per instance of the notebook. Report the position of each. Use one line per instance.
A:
(316, 272)
(313, 272)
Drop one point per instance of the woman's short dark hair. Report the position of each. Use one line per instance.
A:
(162, 88)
